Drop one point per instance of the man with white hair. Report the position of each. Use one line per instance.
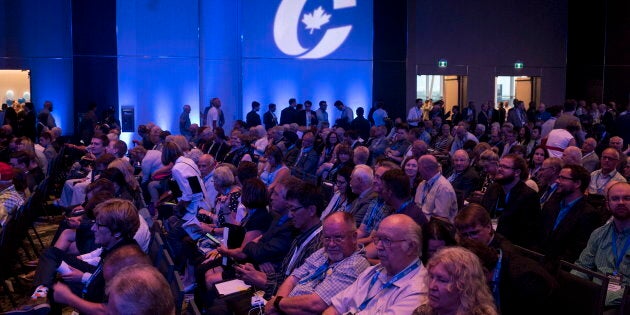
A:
(572, 156)
(435, 195)
(590, 160)
(361, 184)
(398, 282)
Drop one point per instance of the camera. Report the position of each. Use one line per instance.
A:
(204, 218)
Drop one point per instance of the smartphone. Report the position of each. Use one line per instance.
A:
(213, 239)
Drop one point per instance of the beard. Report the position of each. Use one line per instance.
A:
(621, 213)
(503, 180)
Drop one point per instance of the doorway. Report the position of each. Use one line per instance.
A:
(449, 88)
(524, 88)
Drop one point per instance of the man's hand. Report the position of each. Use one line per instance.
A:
(269, 308)
(267, 268)
(75, 275)
(250, 275)
(62, 293)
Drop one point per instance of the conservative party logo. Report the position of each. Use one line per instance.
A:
(290, 21)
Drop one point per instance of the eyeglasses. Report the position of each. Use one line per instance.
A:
(98, 224)
(470, 234)
(566, 178)
(296, 208)
(386, 242)
(609, 158)
(503, 166)
(335, 238)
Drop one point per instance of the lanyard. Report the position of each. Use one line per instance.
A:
(388, 284)
(564, 210)
(318, 273)
(427, 188)
(92, 277)
(403, 206)
(618, 256)
(495, 278)
(298, 250)
(600, 188)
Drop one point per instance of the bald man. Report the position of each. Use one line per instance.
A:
(590, 159)
(435, 195)
(398, 243)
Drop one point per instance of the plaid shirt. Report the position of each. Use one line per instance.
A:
(10, 201)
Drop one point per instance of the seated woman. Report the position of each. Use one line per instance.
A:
(274, 167)
(256, 199)
(241, 149)
(343, 195)
(341, 158)
(457, 285)
(227, 202)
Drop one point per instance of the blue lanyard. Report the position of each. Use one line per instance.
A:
(495, 279)
(92, 277)
(618, 256)
(318, 273)
(427, 187)
(283, 219)
(387, 285)
(403, 206)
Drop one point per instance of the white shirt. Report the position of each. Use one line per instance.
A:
(414, 113)
(213, 115)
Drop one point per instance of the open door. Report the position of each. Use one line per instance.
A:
(15, 85)
(449, 88)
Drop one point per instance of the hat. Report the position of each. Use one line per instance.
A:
(6, 172)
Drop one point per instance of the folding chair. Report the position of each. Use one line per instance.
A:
(580, 290)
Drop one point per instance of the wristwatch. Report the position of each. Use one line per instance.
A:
(276, 304)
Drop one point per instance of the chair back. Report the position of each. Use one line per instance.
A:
(155, 248)
(177, 287)
(580, 290)
(533, 255)
(165, 265)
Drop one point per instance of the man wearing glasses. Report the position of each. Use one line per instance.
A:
(328, 271)
(514, 203)
(397, 284)
(568, 219)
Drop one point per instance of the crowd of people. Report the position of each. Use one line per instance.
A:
(423, 214)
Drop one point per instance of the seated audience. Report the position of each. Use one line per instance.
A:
(328, 271)
(399, 279)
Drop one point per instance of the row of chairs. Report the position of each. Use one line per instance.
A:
(580, 290)
(161, 258)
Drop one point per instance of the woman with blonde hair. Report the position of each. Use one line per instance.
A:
(457, 285)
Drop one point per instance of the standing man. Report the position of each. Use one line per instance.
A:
(184, 122)
(321, 114)
(307, 117)
(607, 250)
(514, 203)
(289, 114)
(415, 114)
(45, 118)
(215, 116)
(346, 116)
(253, 118)
(397, 284)
(269, 118)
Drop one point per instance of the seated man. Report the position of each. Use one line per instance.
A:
(397, 284)
(140, 290)
(605, 256)
(310, 288)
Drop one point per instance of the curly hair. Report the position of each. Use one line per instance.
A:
(467, 278)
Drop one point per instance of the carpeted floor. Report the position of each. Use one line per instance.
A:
(22, 289)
